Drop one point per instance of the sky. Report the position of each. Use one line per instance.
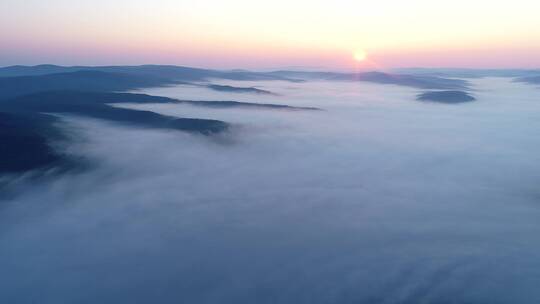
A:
(272, 34)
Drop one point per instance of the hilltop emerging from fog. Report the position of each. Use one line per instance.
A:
(30, 94)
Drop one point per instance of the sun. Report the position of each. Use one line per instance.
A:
(360, 55)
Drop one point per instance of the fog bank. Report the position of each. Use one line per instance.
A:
(377, 199)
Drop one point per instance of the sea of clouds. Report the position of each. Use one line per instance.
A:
(378, 198)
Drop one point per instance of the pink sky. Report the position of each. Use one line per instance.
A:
(251, 34)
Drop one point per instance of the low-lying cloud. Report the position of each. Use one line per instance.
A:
(377, 199)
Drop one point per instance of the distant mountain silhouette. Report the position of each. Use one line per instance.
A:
(230, 104)
(168, 72)
(227, 88)
(173, 74)
(81, 80)
(415, 81)
(531, 79)
(422, 82)
(469, 73)
(446, 96)
(42, 69)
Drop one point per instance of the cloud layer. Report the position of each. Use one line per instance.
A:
(377, 199)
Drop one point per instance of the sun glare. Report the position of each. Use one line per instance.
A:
(360, 55)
